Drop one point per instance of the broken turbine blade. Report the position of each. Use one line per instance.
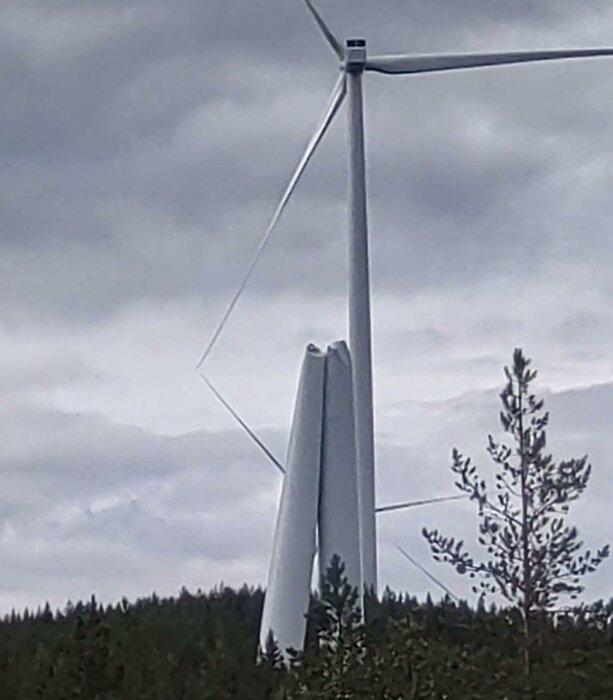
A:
(330, 38)
(339, 506)
(286, 602)
(406, 65)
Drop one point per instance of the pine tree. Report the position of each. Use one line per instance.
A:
(532, 555)
(335, 665)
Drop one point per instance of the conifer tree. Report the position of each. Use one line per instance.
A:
(533, 557)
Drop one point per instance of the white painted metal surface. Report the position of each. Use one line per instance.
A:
(339, 523)
(334, 43)
(430, 64)
(289, 579)
(360, 328)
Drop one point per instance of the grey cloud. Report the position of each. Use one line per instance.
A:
(91, 506)
(21, 381)
(152, 153)
(179, 535)
(585, 329)
(209, 501)
(422, 339)
(81, 497)
(75, 456)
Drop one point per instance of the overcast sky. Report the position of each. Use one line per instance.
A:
(143, 146)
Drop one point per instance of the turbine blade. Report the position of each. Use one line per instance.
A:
(336, 45)
(242, 423)
(414, 504)
(425, 571)
(286, 602)
(334, 104)
(434, 63)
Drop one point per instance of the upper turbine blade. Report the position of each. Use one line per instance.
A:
(336, 100)
(336, 45)
(432, 64)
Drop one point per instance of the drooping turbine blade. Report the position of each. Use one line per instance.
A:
(433, 64)
(336, 45)
(425, 571)
(286, 602)
(414, 504)
(242, 423)
(334, 104)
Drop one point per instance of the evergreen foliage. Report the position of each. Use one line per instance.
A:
(533, 557)
(204, 646)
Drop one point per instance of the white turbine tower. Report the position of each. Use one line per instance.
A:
(354, 62)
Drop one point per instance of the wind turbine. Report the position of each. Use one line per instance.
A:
(354, 63)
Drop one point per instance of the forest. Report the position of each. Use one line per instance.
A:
(204, 646)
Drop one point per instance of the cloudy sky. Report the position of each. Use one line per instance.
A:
(143, 146)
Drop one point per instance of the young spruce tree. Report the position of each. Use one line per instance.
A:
(532, 555)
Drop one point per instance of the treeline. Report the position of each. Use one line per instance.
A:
(204, 646)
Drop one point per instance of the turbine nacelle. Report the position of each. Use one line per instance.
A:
(355, 55)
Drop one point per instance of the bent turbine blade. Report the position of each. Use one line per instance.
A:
(334, 104)
(433, 64)
(330, 38)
